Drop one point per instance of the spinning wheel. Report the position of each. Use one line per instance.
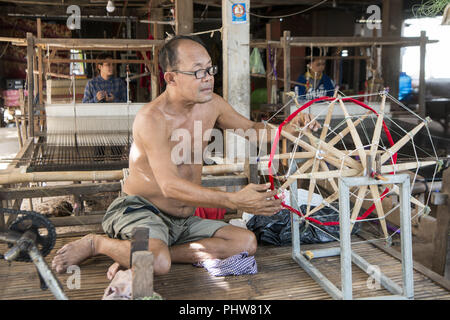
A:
(347, 152)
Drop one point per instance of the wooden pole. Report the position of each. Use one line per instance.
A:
(269, 68)
(30, 81)
(422, 103)
(107, 175)
(286, 68)
(184, 16)
(40, 78)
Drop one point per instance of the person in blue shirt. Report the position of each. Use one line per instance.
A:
(315, 83)
(105, 87)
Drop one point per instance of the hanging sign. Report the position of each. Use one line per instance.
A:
(238, 13)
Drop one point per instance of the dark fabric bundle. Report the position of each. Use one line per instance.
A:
(276, 229)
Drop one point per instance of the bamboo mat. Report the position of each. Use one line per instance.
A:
(278, 277)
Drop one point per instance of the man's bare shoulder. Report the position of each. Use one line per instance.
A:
(150, 118)
(218, 101)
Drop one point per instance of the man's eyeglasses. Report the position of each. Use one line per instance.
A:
(200, 74)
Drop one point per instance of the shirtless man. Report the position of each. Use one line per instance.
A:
(162, 195)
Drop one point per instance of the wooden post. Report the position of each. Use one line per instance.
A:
(30, 57)
(392, 11)
(2, 217)
(269, 68)
(286, 68)
(440, 239)
(156, 14)
(40, 78)
(19, 134)
(422, 88)
(184, 16)
(141, 262)
(236, 71)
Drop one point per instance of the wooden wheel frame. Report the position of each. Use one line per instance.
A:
(320, 153)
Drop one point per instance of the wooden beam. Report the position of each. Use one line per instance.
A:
(30, 82)
(285, 41)
(58, 190)
(184, 17)
(269, 69)
(77, 221)
(422, 88)
(101, 44)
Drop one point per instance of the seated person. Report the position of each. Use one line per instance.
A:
(161, 194)
(314, 83)
(105, 87)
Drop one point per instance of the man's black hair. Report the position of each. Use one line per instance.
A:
(316, 54)
(104, 56)
(168, 55)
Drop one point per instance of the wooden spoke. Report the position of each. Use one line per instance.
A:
(339, 154)
(331, 180)
(413, 200)
(354, 134)
(294, 155)
(377, 131)
(358, 204)
(312, 184)
(400, 143)
(355, 172)
(330, 199)
(327, 121)
(345, 131)
(379, 208)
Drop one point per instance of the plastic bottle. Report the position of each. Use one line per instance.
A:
(405, 87)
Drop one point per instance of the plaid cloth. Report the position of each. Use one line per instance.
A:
(236, 265)
(113, 85)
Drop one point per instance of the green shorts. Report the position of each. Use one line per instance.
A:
(127, 212)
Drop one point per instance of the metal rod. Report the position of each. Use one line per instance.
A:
(406, 238)
(345, 240)
(46, 273)
(295, 220)
(390, 285)
(314, 273)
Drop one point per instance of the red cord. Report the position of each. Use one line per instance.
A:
(277, 138)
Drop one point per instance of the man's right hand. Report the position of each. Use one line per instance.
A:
(255, 199)
(101, 95)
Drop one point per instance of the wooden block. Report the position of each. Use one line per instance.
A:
(142, 274)
(141, 261)
(139, 241)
